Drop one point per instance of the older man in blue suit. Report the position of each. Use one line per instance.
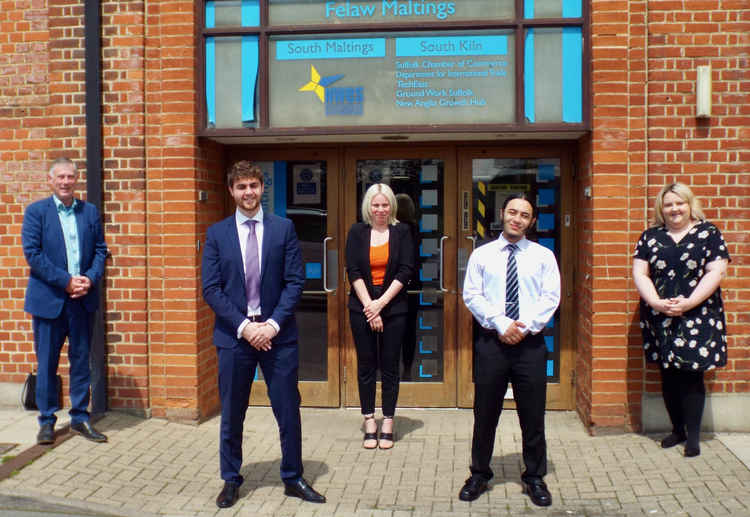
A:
(63, 242)
(252, 279)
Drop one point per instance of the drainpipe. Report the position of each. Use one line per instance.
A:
(94, 160)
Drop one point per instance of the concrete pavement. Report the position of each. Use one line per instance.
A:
(158, 468)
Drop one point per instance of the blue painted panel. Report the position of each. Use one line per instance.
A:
(550, 342)
(211, 81)
(572, 75)
(249, 53)
(572, 8)
(528, 77)
(210, 14)
(313, 270)
(528, 9)
(250, 13)
(279, 188)
(550, 368)
(452, 46)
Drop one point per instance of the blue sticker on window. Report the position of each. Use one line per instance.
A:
(550, 342)
(548, 243)
(545, 222)
(546, 197)
(313, 270)
(250, 13)
(545, 172)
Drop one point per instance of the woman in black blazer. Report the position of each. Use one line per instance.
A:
(379, 263)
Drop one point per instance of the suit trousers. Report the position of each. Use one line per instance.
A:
(524, 365)
(371, 346)
(74, 322)
(280, 367)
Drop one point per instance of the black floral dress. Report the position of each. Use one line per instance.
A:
(697, 340)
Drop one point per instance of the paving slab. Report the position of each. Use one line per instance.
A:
(152, 467)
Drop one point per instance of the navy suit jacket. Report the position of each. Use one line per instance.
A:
(281, 278)
(44, 248)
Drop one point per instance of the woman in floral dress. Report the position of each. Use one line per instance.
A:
(678, 265)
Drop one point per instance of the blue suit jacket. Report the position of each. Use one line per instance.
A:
(281, 278)
(44, 248)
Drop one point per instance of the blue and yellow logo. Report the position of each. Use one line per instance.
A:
(347, 100)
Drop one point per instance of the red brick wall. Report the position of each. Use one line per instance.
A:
(645, 134)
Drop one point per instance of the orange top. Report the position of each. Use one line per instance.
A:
(378, 263)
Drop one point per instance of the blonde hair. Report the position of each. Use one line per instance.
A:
(374, 190)
(684, 193)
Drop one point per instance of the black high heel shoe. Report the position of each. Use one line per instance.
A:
(386, 437)
(370, 436)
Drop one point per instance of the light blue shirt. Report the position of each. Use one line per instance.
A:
(70, 234)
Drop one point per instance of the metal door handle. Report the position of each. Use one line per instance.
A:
(473, 242)
(442, 287)
(325, 265)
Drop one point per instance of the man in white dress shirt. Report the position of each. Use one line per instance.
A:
(512, 287)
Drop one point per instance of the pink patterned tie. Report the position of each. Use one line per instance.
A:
(252, 269)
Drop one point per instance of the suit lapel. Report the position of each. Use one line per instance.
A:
(233, 238)
(266, 247)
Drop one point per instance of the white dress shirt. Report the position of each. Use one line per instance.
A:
(538, 285)
(243, 230)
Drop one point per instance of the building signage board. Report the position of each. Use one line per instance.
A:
(301, 12)
(393, 79)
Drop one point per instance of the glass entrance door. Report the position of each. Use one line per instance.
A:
(424, 183)
(299, 186)
(488, 176)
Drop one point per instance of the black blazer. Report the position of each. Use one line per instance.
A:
(400, 264)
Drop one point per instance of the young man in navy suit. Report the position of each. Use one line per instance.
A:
(253, 279)
(63, 242)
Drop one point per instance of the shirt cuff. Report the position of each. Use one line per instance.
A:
(242, 327)
(273, 324)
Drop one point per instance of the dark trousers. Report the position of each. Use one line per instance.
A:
(280, 367)
(525, 366)
(49, 337)
(684, 396)
(372, 346)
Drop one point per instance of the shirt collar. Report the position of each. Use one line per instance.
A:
(503, 242)
(241, 218)
(61, 207)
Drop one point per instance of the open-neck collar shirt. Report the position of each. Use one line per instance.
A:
(538, 285)
(67, 216)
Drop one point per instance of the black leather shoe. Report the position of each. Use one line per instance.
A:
(692, 452)
(303, 490)
(228, 495)
(672, 439)
(537, 491)
(473, 488)
(46, 435)
(86, 430)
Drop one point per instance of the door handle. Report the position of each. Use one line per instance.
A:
(440, 273)
(325, 265)
(473, 242)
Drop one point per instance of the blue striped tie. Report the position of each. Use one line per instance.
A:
(511, 284)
